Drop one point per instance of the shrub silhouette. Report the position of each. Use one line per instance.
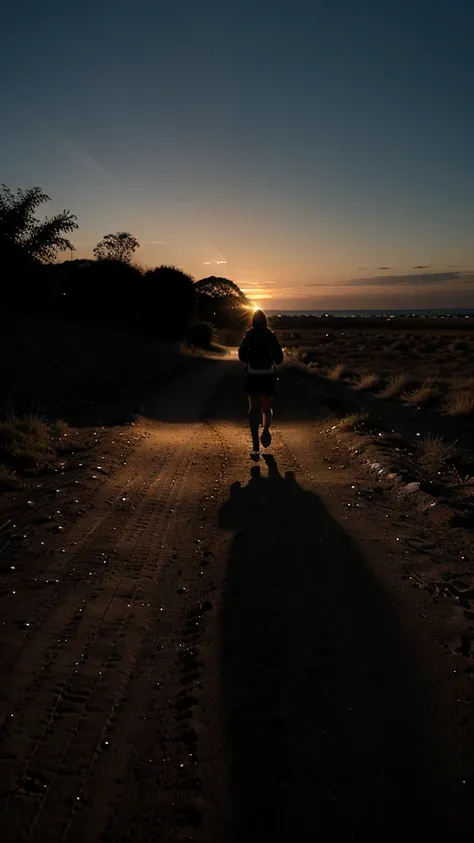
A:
(167, 302)
(201, 335)
(104, 290)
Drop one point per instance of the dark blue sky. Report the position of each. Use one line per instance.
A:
(284, 144)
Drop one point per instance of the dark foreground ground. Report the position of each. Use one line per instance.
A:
(224, 652)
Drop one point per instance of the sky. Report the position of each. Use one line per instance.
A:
(319, 154)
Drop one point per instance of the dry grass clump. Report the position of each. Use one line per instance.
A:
(353, 422)
(396, 386)
(424, 395)
(338, 372)
(8, 479)
(58, 428)
(28, 442)
(25, 442)
(460, 401)
(436, 453)
(369, 382)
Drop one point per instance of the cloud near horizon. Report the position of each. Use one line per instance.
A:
(420, 279)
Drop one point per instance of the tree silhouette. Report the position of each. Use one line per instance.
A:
(222, 302)
(216, 287)
(168, 302)
(116, 247)
(22, 235)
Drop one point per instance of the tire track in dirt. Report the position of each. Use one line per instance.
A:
(85, 576)
(143, 743)
(97, 622)
(79, 543)
(86, 645)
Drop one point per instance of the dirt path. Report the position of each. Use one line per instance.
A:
(224, 652)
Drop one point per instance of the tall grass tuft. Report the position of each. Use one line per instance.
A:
(338, 372)
(396, 386)
(369, 382)
(460, 401)
(423, 396)
(436, 453)
(25, 442)
(354, 421)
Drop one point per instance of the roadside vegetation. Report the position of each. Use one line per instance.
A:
(337, 372)
(410, 364)
(396, 386)
(25, 442)
(402, 396)
(79, 334)
(422, 396)
(353, 421)
(110, 289)
(459, 401)
(28, 445)
(369, 382)
(436, 453)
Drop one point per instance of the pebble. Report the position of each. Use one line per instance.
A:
(410, 488)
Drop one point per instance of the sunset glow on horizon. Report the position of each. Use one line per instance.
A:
(296, 154)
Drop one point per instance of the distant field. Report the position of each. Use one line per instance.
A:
(432, 360)
(357, 323)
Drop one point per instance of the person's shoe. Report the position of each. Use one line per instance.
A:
(255, 456)
(266, 438)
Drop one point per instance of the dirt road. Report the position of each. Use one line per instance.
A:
(224, 652)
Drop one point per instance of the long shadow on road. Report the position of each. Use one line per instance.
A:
(320, 712)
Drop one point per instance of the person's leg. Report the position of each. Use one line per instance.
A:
(255, 417)
(267, 410)
(267, 417)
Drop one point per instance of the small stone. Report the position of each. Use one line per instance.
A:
(410, 488)
(463, 586)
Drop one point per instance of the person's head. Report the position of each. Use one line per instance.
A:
(259, 319)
